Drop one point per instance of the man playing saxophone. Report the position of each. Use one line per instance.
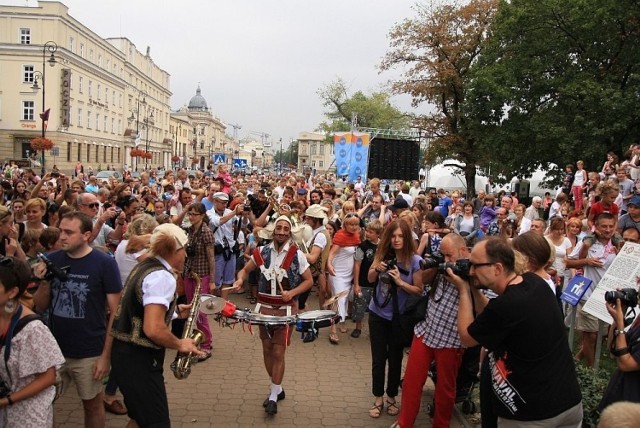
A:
(141, 328)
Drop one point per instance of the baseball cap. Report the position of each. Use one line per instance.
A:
(221, 196)
(635, 200)
(302, 191)
(399, 204)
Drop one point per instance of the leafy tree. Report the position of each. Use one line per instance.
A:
(558, 83)
(370, 111)
(438, 49)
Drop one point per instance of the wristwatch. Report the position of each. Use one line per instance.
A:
(617, 332)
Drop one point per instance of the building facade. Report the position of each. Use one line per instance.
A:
(103, 95)
(208, 143)
(315, 153)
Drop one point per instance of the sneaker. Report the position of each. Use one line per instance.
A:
(356, 333)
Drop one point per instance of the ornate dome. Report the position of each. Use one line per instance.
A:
(197, 102)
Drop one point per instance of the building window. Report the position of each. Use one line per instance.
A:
(97, 122)
(82, 50)
(113, 125)
(90, 89)
(104, 127)
(88, 152)
(97, 153)
(80, 84)
(27, 73)
(113, 97)
(88, 121)
(25, 36)
(119, 131)
(320, 164)
(98, 91)
(28, 110)
(71, 44)
(108, 64)
(68, 151)
(79, 152)
(90, 55)
(99, 60)
(106, 96)
(313, 164)
(79, 119)
(313, 149)
(321, 151)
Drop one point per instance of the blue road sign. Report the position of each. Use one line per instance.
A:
(240, 163)
(217, 159)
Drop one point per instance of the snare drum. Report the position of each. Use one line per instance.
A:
(316, 319)
(269, 320)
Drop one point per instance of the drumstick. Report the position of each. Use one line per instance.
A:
(280, 285)
(226, 288)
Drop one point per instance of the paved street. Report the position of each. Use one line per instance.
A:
(326, 385)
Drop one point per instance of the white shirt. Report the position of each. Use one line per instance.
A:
(159, 287)
(319, 239)
(221, 231)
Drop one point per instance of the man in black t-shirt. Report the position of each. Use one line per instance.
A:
(532, 372)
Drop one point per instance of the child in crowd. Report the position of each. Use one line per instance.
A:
(362, 288)
(488, 212)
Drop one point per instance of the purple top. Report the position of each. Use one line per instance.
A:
(383, 290)
(487, 215)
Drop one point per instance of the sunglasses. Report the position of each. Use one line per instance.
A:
(92, 205)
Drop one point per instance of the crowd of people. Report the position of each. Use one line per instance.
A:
(99, 277)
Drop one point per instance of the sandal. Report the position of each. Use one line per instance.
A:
(253, 300)
(392, 408)
(333, 338)
(376, 410)
(343, 328)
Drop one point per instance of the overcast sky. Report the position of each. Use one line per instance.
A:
(259, 62)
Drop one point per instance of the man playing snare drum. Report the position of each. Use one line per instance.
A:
(284, 275)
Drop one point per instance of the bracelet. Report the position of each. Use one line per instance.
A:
(9, 400)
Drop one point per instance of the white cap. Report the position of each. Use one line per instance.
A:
(171, 230)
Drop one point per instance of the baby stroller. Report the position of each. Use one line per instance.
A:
(465, 382)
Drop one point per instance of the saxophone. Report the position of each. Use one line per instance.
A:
(181, 366)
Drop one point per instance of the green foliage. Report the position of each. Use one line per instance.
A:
(437, 49)
(592, 384)
(370, 111)
(558, 82)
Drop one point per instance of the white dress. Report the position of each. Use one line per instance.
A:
(343, 280)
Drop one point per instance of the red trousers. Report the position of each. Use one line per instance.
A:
(447, 364)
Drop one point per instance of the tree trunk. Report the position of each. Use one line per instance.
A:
(470, 177)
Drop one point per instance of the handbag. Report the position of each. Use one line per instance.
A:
(404, 323)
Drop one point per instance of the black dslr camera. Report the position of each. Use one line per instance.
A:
(436, 260)
(385, 278)
(628, 297)
(53, 271)
(190, 249)
(5, 391)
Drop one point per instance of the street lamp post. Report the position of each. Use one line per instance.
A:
(137, 119)
(50, 47)
(148, 121)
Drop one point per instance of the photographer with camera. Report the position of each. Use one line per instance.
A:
(436, 339)
(625, 381)
(396, 271)
(533, 375)
(221, 222)
(503, 225)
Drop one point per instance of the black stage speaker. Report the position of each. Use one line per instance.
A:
(392, 158)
